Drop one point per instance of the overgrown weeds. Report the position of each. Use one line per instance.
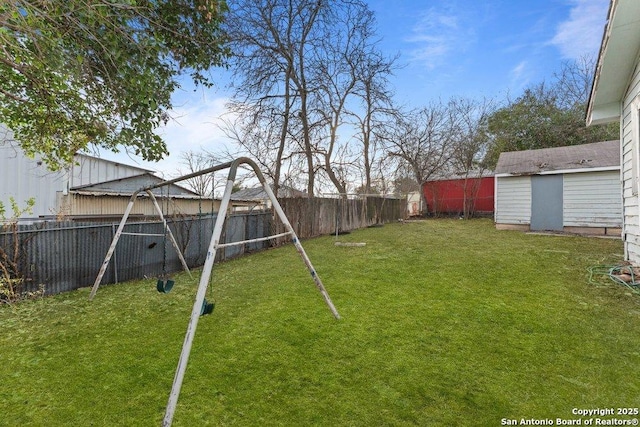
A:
(13, 276)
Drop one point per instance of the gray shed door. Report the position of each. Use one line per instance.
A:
(546, 202)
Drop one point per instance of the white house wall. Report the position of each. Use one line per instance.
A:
(592, 199)
(513, 200)
(629, 138)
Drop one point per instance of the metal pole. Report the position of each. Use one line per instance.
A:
(168, 230)
(115, 255)
(114, 242)
(301, 251)
(197, 306)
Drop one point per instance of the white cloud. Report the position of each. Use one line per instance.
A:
(520, 76)
(193, 127)
(581, 33)
(436, 35)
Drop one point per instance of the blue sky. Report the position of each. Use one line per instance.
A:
(469, 48)
(485, 48)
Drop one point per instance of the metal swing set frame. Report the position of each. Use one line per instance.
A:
(214, 245)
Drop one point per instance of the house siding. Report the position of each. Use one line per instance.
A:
(592, 199)
(513, 200)
(631, 231)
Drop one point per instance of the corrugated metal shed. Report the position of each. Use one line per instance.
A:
(91, 187)
(111, 206)
(92, 170)
(128, 185)
(22, 178)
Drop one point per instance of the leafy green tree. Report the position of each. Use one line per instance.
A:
(548, 115)
(81, 73)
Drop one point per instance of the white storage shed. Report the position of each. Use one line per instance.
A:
(571, 189)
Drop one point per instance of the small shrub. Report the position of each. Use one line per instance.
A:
(12, 278)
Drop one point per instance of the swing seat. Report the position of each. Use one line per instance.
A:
(164, 287)
(207, 307)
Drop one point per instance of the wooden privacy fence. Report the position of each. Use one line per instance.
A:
(312, 217)
(67, 255)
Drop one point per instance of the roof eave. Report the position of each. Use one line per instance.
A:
(604, 114)
(616, 59)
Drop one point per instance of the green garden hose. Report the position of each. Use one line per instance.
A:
(614, 272)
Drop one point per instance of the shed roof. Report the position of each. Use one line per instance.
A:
(586, 156)
(128, 185)
(451, 176)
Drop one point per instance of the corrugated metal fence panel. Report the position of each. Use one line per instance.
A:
(64, 256)
(60, 255)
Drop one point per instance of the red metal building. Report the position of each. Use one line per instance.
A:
(453, 196)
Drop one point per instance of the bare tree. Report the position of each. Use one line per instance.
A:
(273, 40)
(470, 145)
(422, 139)
(573, 82)
(300, 67)
(352, 77)
(256, 128)
(195, 161)
(376, 100)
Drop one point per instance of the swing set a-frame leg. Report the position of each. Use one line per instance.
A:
(197, 306)
(301, 251)
(119, 232)
(167, 230)
(206, 275)
(114, 242)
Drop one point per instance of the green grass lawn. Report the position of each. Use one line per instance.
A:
(444, 323)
